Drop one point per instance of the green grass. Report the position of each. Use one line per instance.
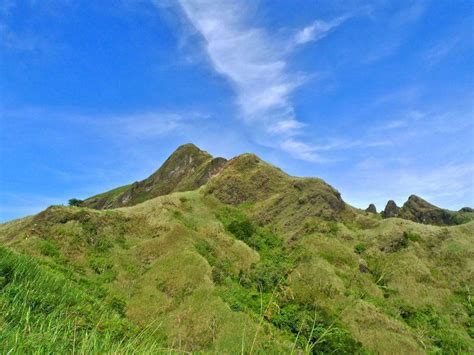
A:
(185, 271)
(261, 291)
(42, 312)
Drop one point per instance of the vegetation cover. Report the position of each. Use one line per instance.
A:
(238, 259)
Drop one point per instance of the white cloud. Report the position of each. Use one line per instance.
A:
(317, 30)
(257, 65)
(148, 124)
(302, 150)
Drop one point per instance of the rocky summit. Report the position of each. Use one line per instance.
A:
(391, 210)
(371, 208)
(209, 255)
(419, 210)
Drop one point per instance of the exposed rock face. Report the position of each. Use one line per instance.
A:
(418, 210)
(371, 208)
(186, 169)
(391, 210)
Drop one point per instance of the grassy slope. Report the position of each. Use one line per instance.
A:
(43, 312)
(186, 169)
(220, 278)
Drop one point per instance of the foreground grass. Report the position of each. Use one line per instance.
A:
(42, 312)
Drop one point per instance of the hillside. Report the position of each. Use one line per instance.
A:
(242, 258)
(186, 169)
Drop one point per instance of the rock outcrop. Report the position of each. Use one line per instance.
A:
(391, 210)
(371, 208)
(418, 210)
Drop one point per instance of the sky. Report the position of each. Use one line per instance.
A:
(374, 97)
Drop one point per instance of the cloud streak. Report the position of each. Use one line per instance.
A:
(257, 66)
(317, 30)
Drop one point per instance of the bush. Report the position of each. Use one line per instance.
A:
(412, 236)
(75, 202)
(360, 248)
(242, 230)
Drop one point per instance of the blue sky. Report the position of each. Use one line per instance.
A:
(375, 97)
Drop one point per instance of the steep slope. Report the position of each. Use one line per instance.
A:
(212, 279)
(272, 196)
(186, 169)
(253, 261)
(418, 210)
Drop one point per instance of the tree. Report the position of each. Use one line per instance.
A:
(75, 202)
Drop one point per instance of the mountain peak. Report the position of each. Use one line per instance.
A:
(371, 208)
(189, 147)
(187, 168)
(421, 211)
(391, 209)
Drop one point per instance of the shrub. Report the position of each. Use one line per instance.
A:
(242, 230)
(412, 236)
(360, 248)
(75, 202)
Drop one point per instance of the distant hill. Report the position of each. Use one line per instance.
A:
(214, 256)
(418, 210)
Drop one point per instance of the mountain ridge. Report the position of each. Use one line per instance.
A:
(253, 260)
(189, 168)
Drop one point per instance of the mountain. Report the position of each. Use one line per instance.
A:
(215, 256)
(186, 169)
(418, 210)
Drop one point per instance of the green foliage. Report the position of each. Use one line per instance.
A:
(75, 202)
(360, 248)
(275, 262)
(221, 269)
(242, 230)
(49, 248)
(259, 290)
(318, 225)
(411, 236)
(445, 338)
(104, 267)
(290, 281)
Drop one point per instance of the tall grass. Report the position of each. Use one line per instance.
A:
(42, 312)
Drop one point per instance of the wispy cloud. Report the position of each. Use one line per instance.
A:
(257, 65)
(317, 30)
(397, 26)
(140, 125)
(441, 49)
(147, 125)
